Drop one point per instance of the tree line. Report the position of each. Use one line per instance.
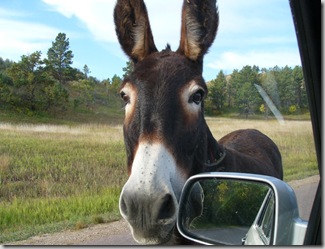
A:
(240, 91)
(50, 84)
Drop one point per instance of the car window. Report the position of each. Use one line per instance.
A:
(268, 94)
(265, 89)
(274, 100)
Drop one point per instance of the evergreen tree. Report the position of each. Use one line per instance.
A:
(270, 86)
(300, 89)
(128, 69)
(217, 93)
(86, 71)
(115, 84)
(59, 58)
(285, 81)
(246, 97)
(28, 80)
(4, 64)
(33, 87)
(5, 81)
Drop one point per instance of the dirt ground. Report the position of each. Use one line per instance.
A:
(118, 232)
(83, 236)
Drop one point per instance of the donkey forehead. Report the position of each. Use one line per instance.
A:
(167, 72)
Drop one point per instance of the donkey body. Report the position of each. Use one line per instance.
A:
(166, 136)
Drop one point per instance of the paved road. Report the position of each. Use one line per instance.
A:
(118, 233)
(305, 191)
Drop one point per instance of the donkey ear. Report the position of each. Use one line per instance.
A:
(133, 29)
(200, 20)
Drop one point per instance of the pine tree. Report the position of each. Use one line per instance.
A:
(59, 58)
(86, 71)
(128, 69)
(217, 92)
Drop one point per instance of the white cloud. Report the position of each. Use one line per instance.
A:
(232, 60)
(97, 15)
(21, 37)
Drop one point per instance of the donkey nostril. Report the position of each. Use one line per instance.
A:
(167, 208)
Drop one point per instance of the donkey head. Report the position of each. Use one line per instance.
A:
(165, 132)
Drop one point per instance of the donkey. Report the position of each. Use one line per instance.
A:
(166, 137)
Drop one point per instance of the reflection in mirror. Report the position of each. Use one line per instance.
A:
(227, 210)
(264, 223)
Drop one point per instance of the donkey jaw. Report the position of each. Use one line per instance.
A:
(149, 199)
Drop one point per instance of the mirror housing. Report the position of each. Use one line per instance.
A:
(249, 209)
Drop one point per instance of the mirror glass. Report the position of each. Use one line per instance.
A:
(229, 212)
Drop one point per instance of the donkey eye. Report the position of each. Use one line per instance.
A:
(125, 97)
(197, 97)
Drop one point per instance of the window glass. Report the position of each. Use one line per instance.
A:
(259, 83)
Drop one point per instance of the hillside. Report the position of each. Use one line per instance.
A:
(97, 104)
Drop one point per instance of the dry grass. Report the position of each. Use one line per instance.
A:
(95, 132)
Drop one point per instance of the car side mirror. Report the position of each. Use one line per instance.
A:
(239, 209)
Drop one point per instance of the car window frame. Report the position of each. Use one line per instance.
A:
(307, 19)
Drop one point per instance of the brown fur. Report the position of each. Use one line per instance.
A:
(251, 151)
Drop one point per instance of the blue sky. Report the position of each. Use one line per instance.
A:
(253, 32)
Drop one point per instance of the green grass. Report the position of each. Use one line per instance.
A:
(59, 164)
(55, 173)
(55, 177)
(22, 215)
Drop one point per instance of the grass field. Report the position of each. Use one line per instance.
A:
(54, 177)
